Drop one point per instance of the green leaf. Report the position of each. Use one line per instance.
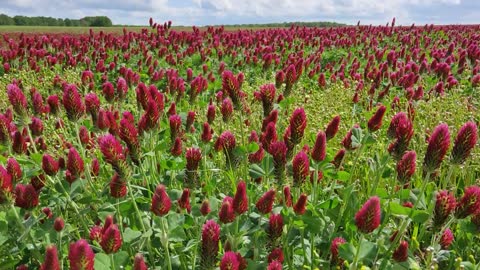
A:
(347, 251)
(121, 259)
(102, 261)
(343, 175)
(252, 147)
(330, 203)
(398, 209)
(420, 216)
(256, 171)
(177, 234)
(368, 250)
(129, 235)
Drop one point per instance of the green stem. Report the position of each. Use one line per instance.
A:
(165, 244)
(357, 253)
(112, 261)
(60, 248)
(31, 138)
(36, 252)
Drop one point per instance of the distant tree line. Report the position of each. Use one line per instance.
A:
(49, 21)
(288, 24)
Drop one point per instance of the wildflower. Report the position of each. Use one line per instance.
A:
(437, 148)
(240, 200)
(469, 204)
(184, 201)
(401, 253)
(209, 245)
(445, 204)
(375, 121)
(81, 256)
(300, 207)
(51, 259)
(265, 203)
(319, 149)
(334, 249)
(301, 168)
(464, 143)
(332, 127)
(368, 217)
(406, 166)
(161, 203)
(446, 239)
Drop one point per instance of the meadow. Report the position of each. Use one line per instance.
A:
(216, 148)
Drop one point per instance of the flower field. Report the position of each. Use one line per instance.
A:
(293, 148)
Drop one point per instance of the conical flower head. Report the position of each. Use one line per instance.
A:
(210, 241)
(319, 149)
(210, 113)
(446, 239)
(401, 253)
(51, 259)
(267, 96)
(49, 165)
(300, 207)
(276, 255)
(406, 166)
(298, 123)
(58, 224)
(177, 147)
(92, 104)
(464, 143)
(26, 196)
(81, 256)
(437, 148)
(111, 239)
(334, 249)
(301, 168)
(287, 196)
(161, 203)
(139, 263)
(184, 200)
(265, 203)
(17, 99)
(226, 141)
(274, 230)
(226, 109)
(275, 265)
(445, 204)
(206, 133)
(229, 261)
(54, 104)
(332, 127)
(118, 186)
(74, 163)
(226, 214)
(175, 126)
(111, 149)
(73, 103)
(240, 200)
(375, 121)
(368, 217)
(13, 168)
(269, 136)
(205, 208)
(193, 156)
(469, 204)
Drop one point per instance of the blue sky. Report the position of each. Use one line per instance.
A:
(207, 12)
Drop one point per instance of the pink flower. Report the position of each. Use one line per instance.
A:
(265, 203)
(226, 213)
(401, 253)
(375, 121)
(51, 259)
(368, 217)
(446, 239)
(229, 261)
(161, 203)
(210, 241)
(240, 200)
(81, 256)
(469, 204)
(332, 127)
(464, 143)
(73, 103)
(438, 145)
(301, 168)
(406, 166)
(184, 201)
(334, 249)
(300, 207)
(319, 149)
(298, 123)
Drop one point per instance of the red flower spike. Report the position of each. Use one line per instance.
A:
(298, 123)
(401, 253)
(301, 168)
(26, 196)
(265, 203)
(337, 159)
(275, 227)
(227, 110)
(464, 143)
(176, 149)
(81, 256)
(319, 149)
(206, 133)
(175, 126)
(375, 121)
(74, 163)
(205, 208)
(332, 127)
(300, 207)
(446, 239)
(111, 149)
(438, 145)
(469, 204)
(118, 187)
(184, 201)
(210, 113)
(17, 99)
(334, 249)
(226, 213)
(445, 204)
(13, 168)
(95, 167)
(368, 217)
(95, 233)
(161, 203)
(51, 259)
(229, 261)
(287, 196)
(73, 103)
(276, 255)
(92, 105)
(275, 265)
(111, 239)
(406, 166)
(210, 241)
(139, 263)
(240, 200)
(58, 224)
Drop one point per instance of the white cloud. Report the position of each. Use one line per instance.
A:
(201, 12)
